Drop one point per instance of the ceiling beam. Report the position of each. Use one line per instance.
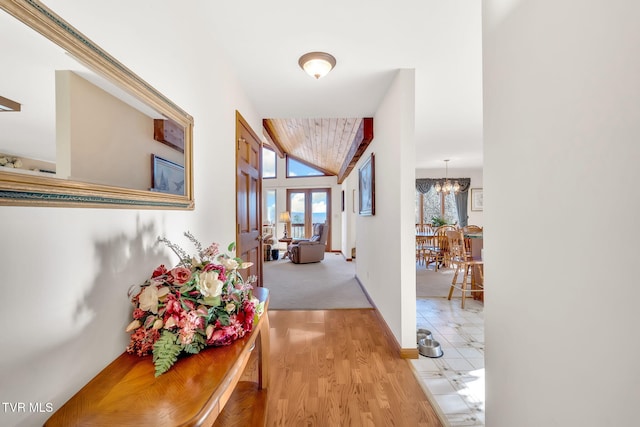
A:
(363, 138)
(272, 137)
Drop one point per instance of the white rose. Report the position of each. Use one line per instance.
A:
(229, 263)
(210, 285)
(148, 299)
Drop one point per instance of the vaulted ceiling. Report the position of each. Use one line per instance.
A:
(330, 145)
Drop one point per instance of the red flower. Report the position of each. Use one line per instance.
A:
(138, 313)
(223, 336)
(160, 271)
(219, 268)
(181, 275)
(249, 311)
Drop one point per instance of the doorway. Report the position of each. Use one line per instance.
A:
(307, 207)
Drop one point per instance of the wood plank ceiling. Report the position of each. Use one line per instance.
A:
(330, 145)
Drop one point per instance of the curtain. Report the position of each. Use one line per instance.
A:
(423, 185)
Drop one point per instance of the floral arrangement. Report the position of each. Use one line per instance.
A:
(10, 162)
(203, 301)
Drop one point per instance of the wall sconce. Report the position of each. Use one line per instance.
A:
(317, 64)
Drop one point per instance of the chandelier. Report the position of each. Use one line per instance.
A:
(447, 187)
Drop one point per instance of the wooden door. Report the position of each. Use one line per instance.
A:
(248, 203)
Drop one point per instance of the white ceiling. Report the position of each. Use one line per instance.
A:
(441, 40)
(371, 40)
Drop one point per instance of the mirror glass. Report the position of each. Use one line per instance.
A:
(78, 127)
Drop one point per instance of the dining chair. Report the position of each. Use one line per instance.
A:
(437, 249)
(424, 229)
(472, 229)
(470, 267)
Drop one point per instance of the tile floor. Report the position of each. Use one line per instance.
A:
(454, 381)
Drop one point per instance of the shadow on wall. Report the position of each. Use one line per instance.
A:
(97, 334)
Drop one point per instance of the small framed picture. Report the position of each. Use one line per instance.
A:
(367, 184)
(476, 199)
(166, 176)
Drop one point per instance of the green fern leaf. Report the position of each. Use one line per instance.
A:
(196, 345)
(165, 352)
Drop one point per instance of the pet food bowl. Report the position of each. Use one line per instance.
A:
(424, 334)
(429, 348)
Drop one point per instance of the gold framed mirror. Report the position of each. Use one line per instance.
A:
(163, 131)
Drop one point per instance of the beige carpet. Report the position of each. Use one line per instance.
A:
(324, 285)
(434, 284)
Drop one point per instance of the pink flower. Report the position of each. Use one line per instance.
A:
(223, 336)
(142, 341)
(181, 275)
(211, 251)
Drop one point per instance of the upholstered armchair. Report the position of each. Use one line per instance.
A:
(310, 250)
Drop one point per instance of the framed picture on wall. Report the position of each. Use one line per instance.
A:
(166, 176)
(367, 184)
(476, 199)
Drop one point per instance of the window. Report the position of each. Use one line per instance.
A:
(268, 163)
(308, 207)
(269, 212)
(296, 168)
(436, 204)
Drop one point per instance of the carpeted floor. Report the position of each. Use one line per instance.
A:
(434, 284)
(324, 285)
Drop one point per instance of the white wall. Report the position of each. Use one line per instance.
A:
(66, 271)
(350, 188)
(475, 174)
(562, 124)
(385, 260)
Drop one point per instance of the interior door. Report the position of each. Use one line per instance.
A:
(249, 192)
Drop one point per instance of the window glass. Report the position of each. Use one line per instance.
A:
(269, 216)
(268, 163)
(319, 207)
(450, 209)
(432, 206)
(296, 168)
(298, 212)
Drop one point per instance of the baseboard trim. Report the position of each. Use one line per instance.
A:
(344, 256)
(404, 353)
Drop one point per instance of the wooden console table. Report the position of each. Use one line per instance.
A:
(192, 393)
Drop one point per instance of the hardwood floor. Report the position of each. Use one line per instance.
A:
(338, 368)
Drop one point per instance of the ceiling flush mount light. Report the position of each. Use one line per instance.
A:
(447, 187)
(8, 105)
(317, 64)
